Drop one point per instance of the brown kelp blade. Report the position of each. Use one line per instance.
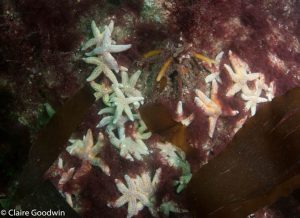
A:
(51, 140)
(157, 117)
(159, 120)
(258, 166)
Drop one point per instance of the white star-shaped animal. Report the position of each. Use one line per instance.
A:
(211, 107)
(252, 97)
(269, 90)
(98, 36)
(107, 121)
(101, 90)
(86, 150)
(239, 74)
(171, 154)
(66, 176)
(129, 148)
(123, 104)
(138, 193)
(175, 157)
(105, 46)
(128, 84)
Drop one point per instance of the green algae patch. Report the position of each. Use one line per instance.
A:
(151, 12)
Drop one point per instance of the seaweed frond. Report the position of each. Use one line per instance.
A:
(164, 69)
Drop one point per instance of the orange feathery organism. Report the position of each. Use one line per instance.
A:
(204, 58)
(152, 53)
(164, 68)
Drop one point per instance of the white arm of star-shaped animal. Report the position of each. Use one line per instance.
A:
(215, 75)
(101, 67)
(98, 36)
(86, 150)
(138, 193)
(141, 127)
(106, 48)
(270, 91)
(123, 104)
(184, 120)
(252, 98)
(238, 74)
(156, 178)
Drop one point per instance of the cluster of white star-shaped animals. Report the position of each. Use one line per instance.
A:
(122, 99)
(241, 76)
